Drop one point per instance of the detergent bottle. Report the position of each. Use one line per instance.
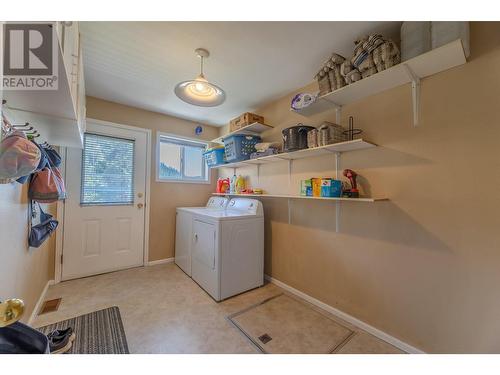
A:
(240, 184)
(225, 185)
(232, 185)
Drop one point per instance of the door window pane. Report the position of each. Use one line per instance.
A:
(107, 170)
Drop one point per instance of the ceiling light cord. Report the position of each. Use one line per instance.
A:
(201, 66)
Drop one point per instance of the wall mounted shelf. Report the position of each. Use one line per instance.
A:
(410, 71)
(369, 200)
(347, 146)
(335, 149)
(255, 128)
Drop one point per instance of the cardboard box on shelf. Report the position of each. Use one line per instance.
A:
(245, 119)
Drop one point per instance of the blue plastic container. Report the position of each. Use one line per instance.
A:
(240, 146)
(331, 188)
(214, 156)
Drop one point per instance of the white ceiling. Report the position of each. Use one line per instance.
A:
(139, 63)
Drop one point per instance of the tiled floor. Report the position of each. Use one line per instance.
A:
(164, 311)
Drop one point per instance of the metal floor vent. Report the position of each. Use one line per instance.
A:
(265, 338)
(50, 306)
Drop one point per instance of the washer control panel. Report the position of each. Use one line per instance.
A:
(217, 202)
(250, 206)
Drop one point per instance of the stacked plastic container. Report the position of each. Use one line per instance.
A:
(420, 37)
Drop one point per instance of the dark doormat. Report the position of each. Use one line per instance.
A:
(100, 332)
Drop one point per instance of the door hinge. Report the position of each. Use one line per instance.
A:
(61, 259)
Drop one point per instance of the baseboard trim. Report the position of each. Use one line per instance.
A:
(40, 301)
(160, 261)
(348, 318)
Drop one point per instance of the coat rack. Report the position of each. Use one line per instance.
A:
(9, 126)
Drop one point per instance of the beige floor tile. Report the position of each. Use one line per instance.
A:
(364, 343)
(292, 326)
(163, 310)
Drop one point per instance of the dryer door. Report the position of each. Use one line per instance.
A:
(204, 247)
(183, 230)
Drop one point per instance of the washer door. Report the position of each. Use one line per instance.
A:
(204, 257)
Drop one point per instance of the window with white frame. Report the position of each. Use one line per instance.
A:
(180, 159)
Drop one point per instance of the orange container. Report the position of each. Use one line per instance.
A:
(316, 187)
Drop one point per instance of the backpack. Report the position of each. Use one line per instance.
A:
(47, 186)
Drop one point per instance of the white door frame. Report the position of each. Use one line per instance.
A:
(60, 205)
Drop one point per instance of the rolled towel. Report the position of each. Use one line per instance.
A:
(368, 72)
(349, 72)
(336, 79)
(353, 76)
(364, 47)
(386, 55)
(323, 82)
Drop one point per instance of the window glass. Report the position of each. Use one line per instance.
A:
(107, 170)
(194, 162)
(181, 160)
(170, 160)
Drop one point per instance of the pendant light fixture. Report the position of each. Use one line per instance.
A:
(199, 91)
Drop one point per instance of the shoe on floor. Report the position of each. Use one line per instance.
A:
(60, 341)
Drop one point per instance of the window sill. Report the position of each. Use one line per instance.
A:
(184, 181)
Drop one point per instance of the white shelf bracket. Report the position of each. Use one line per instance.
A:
(258, 173)
(338, 113)
(290, 176)
(289, 211)
(337, 165)
(415, 93)
(337, 217)
(337, 204)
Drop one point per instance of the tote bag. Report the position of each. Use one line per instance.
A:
(40, 232)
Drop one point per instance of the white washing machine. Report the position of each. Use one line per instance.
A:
(227, 247)
(183, 230)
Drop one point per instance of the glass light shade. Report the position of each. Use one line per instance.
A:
(200, 92)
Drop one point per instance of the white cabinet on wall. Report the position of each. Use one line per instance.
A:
(71, 56)
(58, 115)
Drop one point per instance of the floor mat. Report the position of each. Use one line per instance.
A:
(284, 325)
(100, 332)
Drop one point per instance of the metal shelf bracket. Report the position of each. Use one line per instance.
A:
(337, 204)
(415, 93)
(338, 113)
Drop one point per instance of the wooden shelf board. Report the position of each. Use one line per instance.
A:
(255, 128)
(357, 144)
(362, 199)
(437, 60)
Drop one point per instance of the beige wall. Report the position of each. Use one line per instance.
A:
(24, 272)
(423, 266)
(165, 196)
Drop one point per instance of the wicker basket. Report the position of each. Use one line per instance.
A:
(312, 138)
(329, 133)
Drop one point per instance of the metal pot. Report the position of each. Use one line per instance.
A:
(295, 137)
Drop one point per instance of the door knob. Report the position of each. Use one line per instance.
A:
(140, 205)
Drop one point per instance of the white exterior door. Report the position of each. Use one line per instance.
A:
(104, 213)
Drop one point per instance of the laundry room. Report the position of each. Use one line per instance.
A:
(222, 187)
